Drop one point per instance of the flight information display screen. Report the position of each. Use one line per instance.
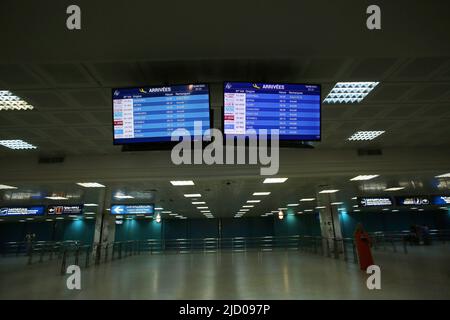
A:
(293, 109)
(151, 114)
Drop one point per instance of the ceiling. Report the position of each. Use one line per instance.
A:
(68, 76)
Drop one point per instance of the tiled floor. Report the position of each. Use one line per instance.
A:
(424, 273)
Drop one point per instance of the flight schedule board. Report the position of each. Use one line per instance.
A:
(293, 109)
(152, 114)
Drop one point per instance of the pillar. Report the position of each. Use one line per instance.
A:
(330, 225)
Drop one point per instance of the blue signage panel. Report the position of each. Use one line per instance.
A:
(22, 211)
(152, 114)
(293, 109)
(148, 209)
(65, 209)
(440, 200)
(374, 201)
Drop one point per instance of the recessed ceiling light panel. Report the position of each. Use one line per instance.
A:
(9, 102)
(17, 144)
(364, 177)
(349, 92)
(365, 135)
(182, 183)
(90, 184)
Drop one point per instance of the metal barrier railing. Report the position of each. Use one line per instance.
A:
(73, 252)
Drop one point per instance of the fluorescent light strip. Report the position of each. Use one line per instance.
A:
(123, 197)
(394, 189)
(90, 184)
(336, 203)
(202, 207)
(253, 201)
(293, 205)
(329, 191)
(365, 135)
(320, 207)
(349, 92)
(261, 193)
(274, 180)
(56, 198)
(6, 187)
(17, 144)
(445, 175)
(91, 205)
(250, 206)
(182, 183)
(307, 199)
(364, 177)
(192, 195)
(199, 202)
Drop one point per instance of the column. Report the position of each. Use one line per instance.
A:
(330, 225)
(105, 222)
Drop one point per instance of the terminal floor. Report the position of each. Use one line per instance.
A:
(424, 273)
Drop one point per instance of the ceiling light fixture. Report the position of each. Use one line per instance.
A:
(445, 175)
(329, 191)
(365, 135)
(307, 199)
(9, 102)
(17, 144)
(274, 180)
(90, 184)
(182, 183)
(253, 201)
(261, 193)
(349, 92)
(6, 187)
(394, 189)
(123, 196)
(364, 177)
(192, 195)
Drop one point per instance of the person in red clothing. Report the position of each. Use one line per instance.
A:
(363, 244)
